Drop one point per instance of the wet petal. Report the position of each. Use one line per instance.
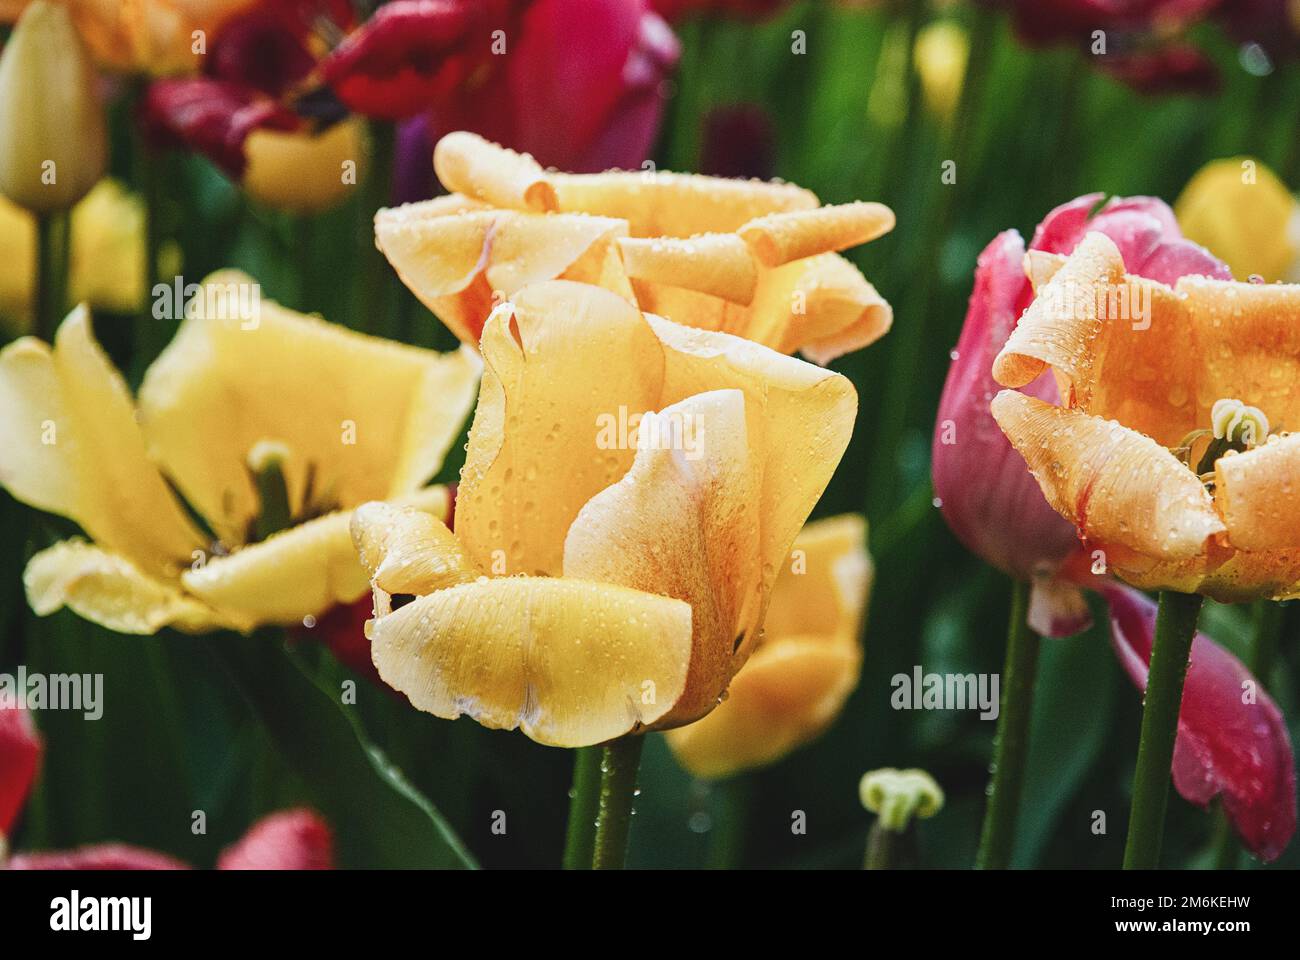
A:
(69, 444)
(373, 418)
(1116, 485)
(1227, 747)
(779, 238)
(717, 264)
(407, 550)
(683, 523)
(570, 663)
(470, 165)
(108, 589)
(566, 366)
(1258, 495)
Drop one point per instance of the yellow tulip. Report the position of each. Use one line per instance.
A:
(53, 140)
(940, 56)
(304, 172)
(1163, 455)
(107, 257)
(1243, 213)
(348, 418)
(754, 259)
(804, 666)
(144, 36)
(608, 573)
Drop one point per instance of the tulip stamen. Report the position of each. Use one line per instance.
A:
(1236, 429)
(266, 468)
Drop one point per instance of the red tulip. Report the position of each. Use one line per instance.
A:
(1232, 741)
(674, 10)
(20, 758)
(987, 495)
(103, 856)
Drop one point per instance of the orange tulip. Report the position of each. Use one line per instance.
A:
(754, 259)
(1168, 453)
(600, 580)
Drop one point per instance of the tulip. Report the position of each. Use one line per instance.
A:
(1232, 740)
(53, 142)
(673, 10)
(1241, 210)
(754, 259)
(642, 567)
(940, 55)
(803, 668)
(270, 424)
(20, 758)
(289, 840)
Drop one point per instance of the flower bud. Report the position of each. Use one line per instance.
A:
(53, 140)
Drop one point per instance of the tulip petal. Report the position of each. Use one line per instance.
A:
(303, 172)
(369, 415)
(460, 266)
(303, 570)
(1116, 485)
(1245, 219)
(288, 840)
(663, 204)
(546, 435)
(1258, 495)
(20, 758)
(683, 523)
(717, 264)
(470, 165)
(826, 305)
(407, 550)
(1227, 747)
(779, 238)
(103, 856)
(823, 587)
(69, 444)
(110, 590)
(571, 663)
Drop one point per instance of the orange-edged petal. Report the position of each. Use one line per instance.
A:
(470, 165)
(661, 204)
(570, 663)
(779, 238)
(566, 367)
(684, 523)
(1258, 495)
(69, 444)
(110, 590)
(1116, 485)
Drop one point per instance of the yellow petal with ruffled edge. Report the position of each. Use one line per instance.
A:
(565, 365)
(374, 417)
(662, 204)
(822, 307)
(407, 550)
(570, 663)
(462, 264)
(684, 523)
(1116, 485)
(297, 572)
(305, 172)
(1243, 213)
(108, 589)
(69, 444)
(808, 663)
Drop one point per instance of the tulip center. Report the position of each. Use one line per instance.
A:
(1235, 428)
(266, 464)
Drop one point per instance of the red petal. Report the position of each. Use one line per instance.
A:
(1238, 751)
(212, 117)
(105, 856)
(290, 840)
(20, 757)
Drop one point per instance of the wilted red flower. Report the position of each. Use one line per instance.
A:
(1232, 740)
(987, 495)
(20, 757)
(289, 840)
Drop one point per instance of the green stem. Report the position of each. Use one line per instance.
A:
(730, 821)
(1175, 629)
(1270, 619)
(584, 804)
(619, 762)
(51, 272)
(377, 310)
(1011, 747)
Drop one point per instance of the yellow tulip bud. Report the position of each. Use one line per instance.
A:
(53, 141)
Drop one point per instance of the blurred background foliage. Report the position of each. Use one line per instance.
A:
(847, 120)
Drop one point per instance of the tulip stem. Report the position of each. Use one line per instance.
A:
(51, 272)
(1175, 629)
(620, 759)
(584, 804)
(1011, 745)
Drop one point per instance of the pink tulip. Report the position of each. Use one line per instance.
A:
(20, 757)
(1232, 741)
